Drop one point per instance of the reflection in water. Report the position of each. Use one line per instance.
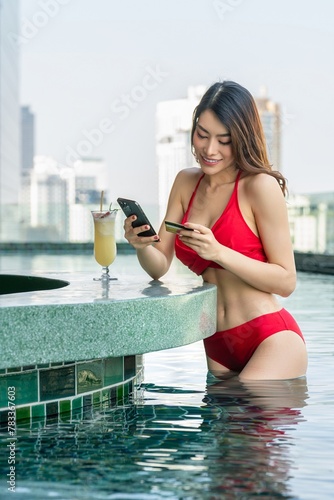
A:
(235, 444)
(156, 288)
(253, 437)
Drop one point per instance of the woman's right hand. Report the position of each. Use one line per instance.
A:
(131, 234)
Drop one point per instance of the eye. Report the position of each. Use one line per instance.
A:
(226, 143)
(200, 135)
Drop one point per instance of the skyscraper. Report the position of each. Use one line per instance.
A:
(270, 114)
(9, 105)
(27, 139)
(51, 191)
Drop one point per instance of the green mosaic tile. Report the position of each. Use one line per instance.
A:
(89, 376)
(65, 410)
(113, 371)
(87, 400)
(28, 367)
(129, 367)
(97, 398)
(57, 383)
(65, 406)
(52, 409)
(14, 370)
(38, 411)
(3, 418)
(126, 390)
(105, 395)
(88, 413)
(113, 396)
(76, 403)
(38, 423)
(43, 365)
(25, 384)
(65, 417)
(119, 393)
(77, 414)
(2, 370)
(3, 392)
(130, 387)
(105, 401)
(23, 413)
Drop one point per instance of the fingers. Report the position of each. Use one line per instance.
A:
(199, 238)
(198, 228)
(190, 238)
(132, 233)
(198, 231)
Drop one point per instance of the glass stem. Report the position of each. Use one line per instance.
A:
(105, 273)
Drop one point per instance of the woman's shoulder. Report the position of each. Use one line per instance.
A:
(184, 184)
(189, 173)
(261, 183)
(263, 190)
(187, 179)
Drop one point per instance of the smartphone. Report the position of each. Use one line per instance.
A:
(174, 227)
(132, 207)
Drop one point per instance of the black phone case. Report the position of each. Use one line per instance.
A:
(132, 207)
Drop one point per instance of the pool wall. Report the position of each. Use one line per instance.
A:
(64, 389)
(81, 344)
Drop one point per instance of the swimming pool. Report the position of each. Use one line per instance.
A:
(186, 437)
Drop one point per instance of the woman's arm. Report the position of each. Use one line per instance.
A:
(156, 257)
(153, 255)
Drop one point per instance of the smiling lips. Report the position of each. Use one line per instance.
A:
(210, 162)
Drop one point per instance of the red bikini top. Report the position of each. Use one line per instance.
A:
(230, 230)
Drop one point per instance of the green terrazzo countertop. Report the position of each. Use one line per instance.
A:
(87, 319)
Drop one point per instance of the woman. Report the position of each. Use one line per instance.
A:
(240, 240)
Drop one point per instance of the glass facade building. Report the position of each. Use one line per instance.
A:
(27, 139)
(9, 105)
(10, 161)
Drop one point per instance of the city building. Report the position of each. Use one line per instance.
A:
(57, 200)
(27, 139)
(9, 105)
(91, 178)
(9, 118)
(311, 219)
(49, 191)
(270, 114)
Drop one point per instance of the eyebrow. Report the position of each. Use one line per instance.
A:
(218, 135)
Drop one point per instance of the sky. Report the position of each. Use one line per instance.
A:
(93, 72)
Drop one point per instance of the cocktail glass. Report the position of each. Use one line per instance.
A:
(104, 241)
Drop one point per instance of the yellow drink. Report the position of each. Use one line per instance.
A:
(104, 238)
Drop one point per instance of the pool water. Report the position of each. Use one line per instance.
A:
(186, 436)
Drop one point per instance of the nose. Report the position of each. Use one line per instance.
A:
(211, 147)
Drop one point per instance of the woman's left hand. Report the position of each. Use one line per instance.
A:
(201, 240)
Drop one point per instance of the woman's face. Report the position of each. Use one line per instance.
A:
(212, 143)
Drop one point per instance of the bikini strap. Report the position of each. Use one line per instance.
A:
(238, 178)
(194, 192)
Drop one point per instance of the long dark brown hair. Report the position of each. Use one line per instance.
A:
(235, 107)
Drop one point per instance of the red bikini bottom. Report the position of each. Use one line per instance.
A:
(234, 347)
